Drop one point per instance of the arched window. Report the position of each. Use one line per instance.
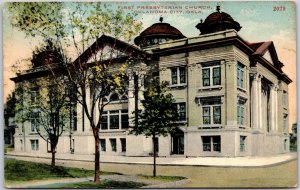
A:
(124, 97)
(114, 97)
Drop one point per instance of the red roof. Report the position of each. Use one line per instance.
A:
(260, 48)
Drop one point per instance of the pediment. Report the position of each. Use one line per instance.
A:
(106, 53)
(268, 57)
(107, 47)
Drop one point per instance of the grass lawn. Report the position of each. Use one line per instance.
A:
(107, 184)
(18, 171)
(162, 178)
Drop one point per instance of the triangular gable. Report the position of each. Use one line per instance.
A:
(267, 51)
(268, 57)
(109, 42)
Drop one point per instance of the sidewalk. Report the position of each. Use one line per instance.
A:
(172, 161)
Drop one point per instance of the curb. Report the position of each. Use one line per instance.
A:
(158, 164)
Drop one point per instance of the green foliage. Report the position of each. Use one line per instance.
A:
(104, 184)
(36, 171)
(293, 138)
(158, 114)
(10, 104)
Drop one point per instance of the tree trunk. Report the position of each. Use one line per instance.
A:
(154, 156)
(53, 145)
(97, 159)
(53, 157)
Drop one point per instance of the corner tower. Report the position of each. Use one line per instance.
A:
(158, 33)
(217, 21)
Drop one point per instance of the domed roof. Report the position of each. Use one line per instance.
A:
(159, 31)
(218, 21)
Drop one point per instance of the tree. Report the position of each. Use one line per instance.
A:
(293, 138)
(73, 27)
(158, 115)
(43, 101)
(9, 112)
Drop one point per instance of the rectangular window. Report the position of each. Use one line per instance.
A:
(285, 122)
(284, 98)
(34, 121)
(113, 144)
(242, 143)
(216, 76)
(211, 143)
(124, 119)
(104, 121)
(211, 111)
(211, 76)
(178, 75)
(240, 75)
(240, 113)
(114, 121)
(34, 144)
(206, 77)
(174, 75)
(103, 145)
(181, 111)
(123, 144)
(285, 144)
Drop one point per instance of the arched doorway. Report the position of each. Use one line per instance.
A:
(177, 142)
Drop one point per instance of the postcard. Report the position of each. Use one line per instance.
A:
(154, 94)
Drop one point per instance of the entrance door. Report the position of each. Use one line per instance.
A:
(178, 142)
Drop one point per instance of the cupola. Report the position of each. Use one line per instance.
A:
(217, 21)
(158, 33)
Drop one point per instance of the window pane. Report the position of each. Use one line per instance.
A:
(182, 111)
(113, 145)
(206, 77)
(174, 75)
(182, 75)
(217, 76)
(125, 123)
(217, 114)
(123, 144)
(104, 122)
(206, 115)
(216, 143)
(206, 143)
(103, 145)
(114, 122)
(114, 97)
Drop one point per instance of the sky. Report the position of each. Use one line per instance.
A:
(260, 21)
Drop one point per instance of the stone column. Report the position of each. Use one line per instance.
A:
(259, 94)
(276, 107)
(272, 107)
(256, 110)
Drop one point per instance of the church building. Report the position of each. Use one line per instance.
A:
(231, 95)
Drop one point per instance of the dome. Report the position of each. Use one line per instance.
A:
(157, 33)
(217, 21)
